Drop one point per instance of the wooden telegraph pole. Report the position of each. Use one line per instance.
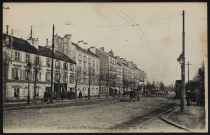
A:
(52, 86)
(183, 66)
(7, 32)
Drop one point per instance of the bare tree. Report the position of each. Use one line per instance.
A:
(58, 76)
(6, 61)
(91, 78)
(162, 86)
(100, 79)
(37, 66)
(77, 78)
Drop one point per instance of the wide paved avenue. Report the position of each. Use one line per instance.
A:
(102, 117)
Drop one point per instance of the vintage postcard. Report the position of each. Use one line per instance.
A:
(105, 67)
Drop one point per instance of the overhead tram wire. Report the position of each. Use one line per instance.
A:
(138, 35)
(123, 18)
(146, 44)
(142, 34)
(148, 41)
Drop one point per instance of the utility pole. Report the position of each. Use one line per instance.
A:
(188, 64)
(183, 66)
(31, 32)
(7, 30)
(47, 42)
(143, 81)
(11, 44)
(52, 86)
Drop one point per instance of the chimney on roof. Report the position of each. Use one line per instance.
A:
(83, 44)
(34, 42)
(102, 49)
(111, 52)
(92, 49)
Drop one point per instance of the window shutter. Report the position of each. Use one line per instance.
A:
(24, 75)
(20, 56)
(21, 74)
(13, 55)
(13, 73)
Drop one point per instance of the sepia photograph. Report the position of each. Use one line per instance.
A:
(106, 67)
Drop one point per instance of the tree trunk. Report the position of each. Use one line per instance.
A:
(35, 81)
(99, 91)
(89, 93)
(75, 96)
(5, 74)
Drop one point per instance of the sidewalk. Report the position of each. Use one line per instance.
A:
(192, 119)
(60, 103)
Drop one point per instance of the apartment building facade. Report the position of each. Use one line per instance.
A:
(21, 52)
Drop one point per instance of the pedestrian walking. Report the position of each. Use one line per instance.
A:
(46, 96)
(80, 95)
(131, 96)
(188, 97)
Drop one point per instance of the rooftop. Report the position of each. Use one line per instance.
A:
(85, 51)
(22, 45)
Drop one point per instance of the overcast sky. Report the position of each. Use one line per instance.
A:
(109, 25)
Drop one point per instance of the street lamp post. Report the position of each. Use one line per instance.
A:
(28, 71)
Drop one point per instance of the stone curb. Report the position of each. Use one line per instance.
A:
(165, 119)
(63, 104)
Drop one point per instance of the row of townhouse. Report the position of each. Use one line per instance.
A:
(77, 68)
(18, 53)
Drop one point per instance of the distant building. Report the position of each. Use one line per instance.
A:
(119, 74)
(108, 71)
(88, 63)
(86, 60)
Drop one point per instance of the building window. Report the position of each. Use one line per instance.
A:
(16, 92)
(65, 77)
(97, 63)
(71, 78)
(48, 79)
(39, 76)
(72, 67)
(80, 57)
(57, 77)
(37, 92)
(33, 75)
(89, 61)
(85, 59)
(48, 62)
(27, 58)
(110, 60)
(21, 74)
(15, 74)
(17, 56)
(37, 60)
(85, 71)
(26, 75)
(65, 66)
(93, 62)
(57, 64)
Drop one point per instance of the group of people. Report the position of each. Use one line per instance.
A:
(133, 95)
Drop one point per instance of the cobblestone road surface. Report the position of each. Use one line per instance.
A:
(87, 118)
